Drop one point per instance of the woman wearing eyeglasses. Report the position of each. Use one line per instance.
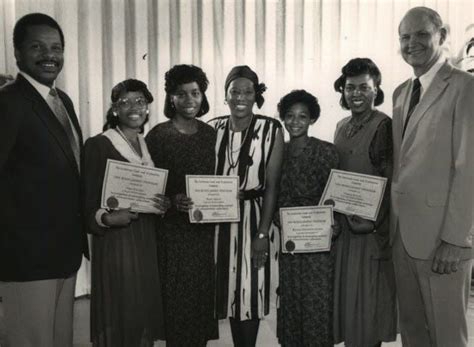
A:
(184, 145)
(126, 306)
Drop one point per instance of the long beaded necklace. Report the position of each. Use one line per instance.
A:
(230, 146)
(130, 145)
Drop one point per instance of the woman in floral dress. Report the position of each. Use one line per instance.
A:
(305, 315)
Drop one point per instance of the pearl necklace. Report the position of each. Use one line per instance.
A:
(144, 162)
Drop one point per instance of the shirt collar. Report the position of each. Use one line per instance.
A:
(41, 88)
(429, 75)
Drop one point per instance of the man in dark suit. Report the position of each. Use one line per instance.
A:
(432, 187)
(41, 237)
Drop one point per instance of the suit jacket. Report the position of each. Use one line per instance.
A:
(41, 234)
(432, 186)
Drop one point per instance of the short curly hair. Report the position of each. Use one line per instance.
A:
(183, 74)
(357, 67)
(128, 85)
(299, 96)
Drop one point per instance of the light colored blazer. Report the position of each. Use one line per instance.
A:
(433, 179)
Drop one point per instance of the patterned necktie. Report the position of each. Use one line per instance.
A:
(415, 98)
(61, 114)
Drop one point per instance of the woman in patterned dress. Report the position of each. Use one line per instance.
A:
(184, 145)
(249, 146)
(126, 305)
(365, 306)
(306, 279)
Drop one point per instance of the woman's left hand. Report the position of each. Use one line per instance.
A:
(360, 225)
(162, 203)
(182, 202)
(259, 251)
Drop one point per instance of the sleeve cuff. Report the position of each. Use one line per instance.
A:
(98, 217)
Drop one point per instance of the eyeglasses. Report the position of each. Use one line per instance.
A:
(127, 104)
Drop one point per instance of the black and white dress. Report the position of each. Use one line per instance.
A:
(243, 291)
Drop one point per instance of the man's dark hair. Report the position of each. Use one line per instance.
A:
(32, 19)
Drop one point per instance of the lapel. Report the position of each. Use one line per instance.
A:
(401, 111)
(42, 110)
(436, 88)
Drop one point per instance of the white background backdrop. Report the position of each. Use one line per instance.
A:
(290, 43)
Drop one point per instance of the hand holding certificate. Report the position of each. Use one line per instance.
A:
(215, 198)
(128, 185)
(354, 194)
(306, 229)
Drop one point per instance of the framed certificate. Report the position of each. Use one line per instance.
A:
(131, 185)
(306, 229)
(215, 198)
(354, 194)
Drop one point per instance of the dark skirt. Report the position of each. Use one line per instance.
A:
(306, 300)
(126, 300)
(186, 257)
(365, 310)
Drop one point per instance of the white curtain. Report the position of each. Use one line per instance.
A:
(290, 43)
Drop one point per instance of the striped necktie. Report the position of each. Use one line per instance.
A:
(414, 100)
(61, 114)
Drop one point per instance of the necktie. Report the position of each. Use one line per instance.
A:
(60, 112)
(415, 98)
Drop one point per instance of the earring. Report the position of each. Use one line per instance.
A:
(115, 114)
(172, 106)
(147, 111)
(225, 101)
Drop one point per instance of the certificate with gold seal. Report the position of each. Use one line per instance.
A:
(215, 198)
(353, 193)
(306, 229)
(128, 185)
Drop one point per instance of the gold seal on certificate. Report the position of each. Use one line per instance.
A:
(131, 185)
(197, 214)
(352, 193)
(306, 229)
(112, 202)
(215, 198)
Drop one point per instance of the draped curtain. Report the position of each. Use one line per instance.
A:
(292, 44)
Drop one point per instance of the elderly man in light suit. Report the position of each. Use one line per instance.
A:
(432, 187)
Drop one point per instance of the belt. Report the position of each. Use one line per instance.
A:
(252, 194)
